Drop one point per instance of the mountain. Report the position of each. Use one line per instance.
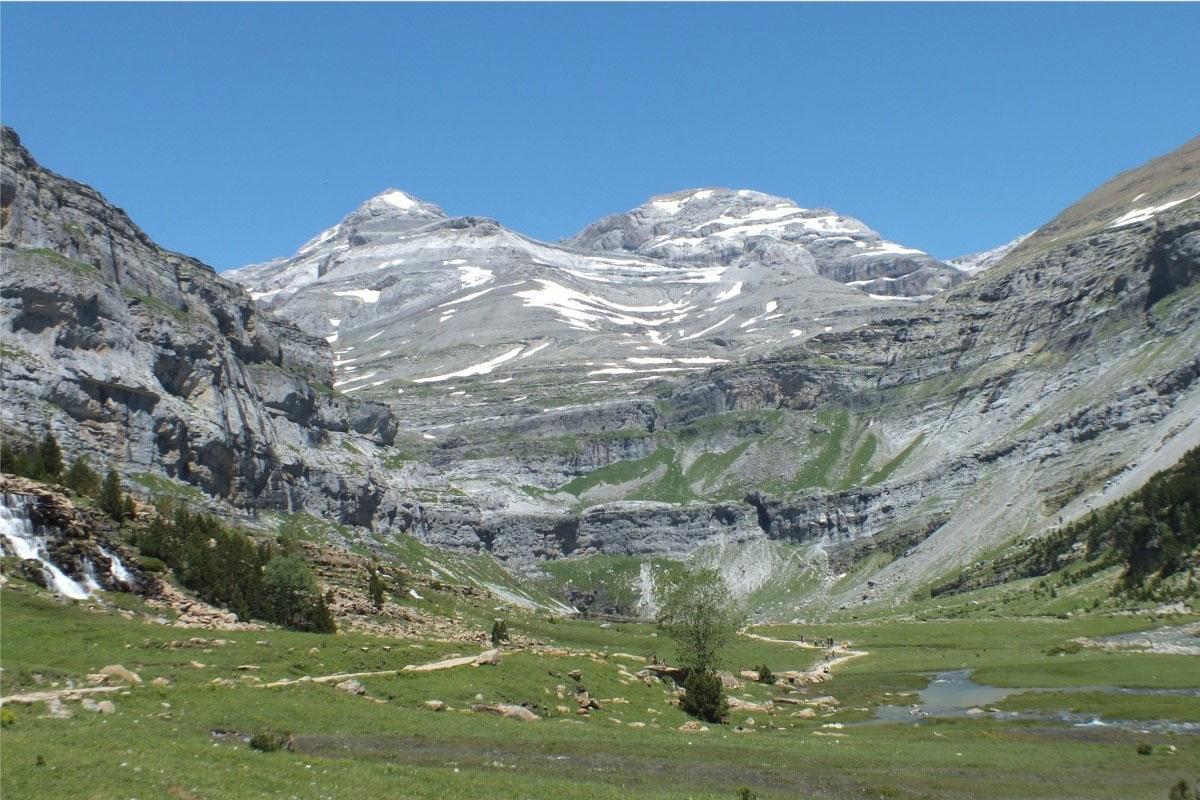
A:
(466, 313)
(973, 263)
(721, 226)
(694, 379)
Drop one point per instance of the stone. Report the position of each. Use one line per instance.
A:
(488, 657)
(693, 726)
(121, 673)
(160, 682)
(435, 705)
(56, 709)
(352, 686)
(506, 710)
(106, 707)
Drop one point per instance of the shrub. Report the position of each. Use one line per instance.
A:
(1144, 749)
(705, 697)
(764, 674)
(268, 741)
(499, 632)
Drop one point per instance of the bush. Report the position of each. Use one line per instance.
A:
(152, 564)
(705, 697)
(268, 741)
(1144, 749)
(1182, 791)
(764, 674)
(499, 632)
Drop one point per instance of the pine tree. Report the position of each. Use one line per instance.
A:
(50, 458)
(375, 588)
(110, 500)
(81, 478)
(128, 508)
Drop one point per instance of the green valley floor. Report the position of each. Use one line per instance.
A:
(1102, 723)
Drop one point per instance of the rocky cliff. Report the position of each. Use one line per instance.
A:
(149, 360)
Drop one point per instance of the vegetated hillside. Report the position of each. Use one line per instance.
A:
(1152, 535)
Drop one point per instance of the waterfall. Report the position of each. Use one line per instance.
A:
(17, 529)
(117, 570)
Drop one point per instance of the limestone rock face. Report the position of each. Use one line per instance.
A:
(148, 360)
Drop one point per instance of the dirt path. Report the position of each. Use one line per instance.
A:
(486, 657)
(821, 671)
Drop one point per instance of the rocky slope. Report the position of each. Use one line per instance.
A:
(149, 360)
(722, 226)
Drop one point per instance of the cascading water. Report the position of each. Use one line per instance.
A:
(117, 569)
(18, 530)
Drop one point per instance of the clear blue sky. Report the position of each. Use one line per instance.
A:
(236, 132)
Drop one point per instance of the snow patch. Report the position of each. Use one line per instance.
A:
(366, 295)
(482, 368)
(1143, 214)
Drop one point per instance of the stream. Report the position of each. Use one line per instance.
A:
(955, 694)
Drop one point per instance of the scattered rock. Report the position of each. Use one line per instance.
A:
(248, 668)
(575, 675)
(106, 707)
(693, 726)
(352, 686)
(435, 705)
(160, 682)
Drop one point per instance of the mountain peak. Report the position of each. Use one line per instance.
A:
(394, 202)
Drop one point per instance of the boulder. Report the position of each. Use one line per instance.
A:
(491, 657)
(506, 710)
(352, 686)
(121, 673)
